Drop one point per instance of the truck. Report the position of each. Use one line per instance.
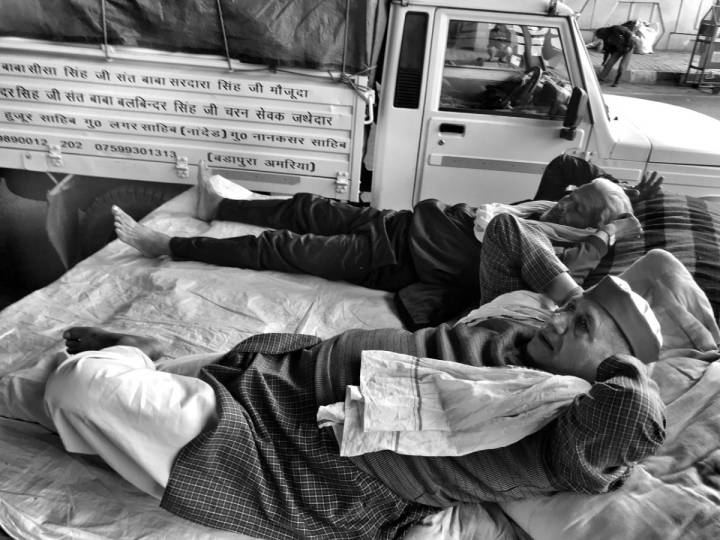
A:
(376, 102)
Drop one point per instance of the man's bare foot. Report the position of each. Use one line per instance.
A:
(207, 199)
(147, 241)
(91, 338)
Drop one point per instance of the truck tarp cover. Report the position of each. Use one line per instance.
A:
(322, 34)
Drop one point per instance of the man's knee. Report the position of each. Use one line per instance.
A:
(69, 386)
(87, 378)
(306, 198)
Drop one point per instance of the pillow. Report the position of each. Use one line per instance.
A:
(688, 227)
(682, 308)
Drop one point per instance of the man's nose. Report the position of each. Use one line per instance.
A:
(559, 321)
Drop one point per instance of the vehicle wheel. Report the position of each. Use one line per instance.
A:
(97, 228)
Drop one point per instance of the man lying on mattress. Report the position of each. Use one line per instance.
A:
(428, 256)
(239, 446)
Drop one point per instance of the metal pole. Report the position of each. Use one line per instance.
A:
(104, 27)
(224, 35)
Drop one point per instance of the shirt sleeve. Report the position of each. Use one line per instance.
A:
(583, 257)
(593, 445)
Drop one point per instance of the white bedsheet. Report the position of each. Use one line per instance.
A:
(194, 309)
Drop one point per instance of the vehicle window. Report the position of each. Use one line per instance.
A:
(505, 69)
(410, 63)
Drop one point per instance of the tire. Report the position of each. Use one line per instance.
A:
(97, 228)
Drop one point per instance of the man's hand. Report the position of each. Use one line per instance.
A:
(626, 226)
(648, 186)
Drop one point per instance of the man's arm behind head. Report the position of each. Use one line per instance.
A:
(565, 170)
(593, 445)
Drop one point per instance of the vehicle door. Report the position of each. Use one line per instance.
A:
(498, 90)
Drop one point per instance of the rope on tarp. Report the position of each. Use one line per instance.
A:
(224, 35)
(365, 93)
(106, 48)
(347, 26)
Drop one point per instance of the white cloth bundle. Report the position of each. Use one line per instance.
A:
(427, 407)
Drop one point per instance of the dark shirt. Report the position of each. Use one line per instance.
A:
(616, 39)
(445, 256)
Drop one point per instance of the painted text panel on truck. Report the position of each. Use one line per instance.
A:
(154, 116)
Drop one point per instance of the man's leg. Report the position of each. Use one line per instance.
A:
(113, 403)
(516, 256)
(339, 257)
(303, 213)
(357, 258)
(609, 63)
(622, 66)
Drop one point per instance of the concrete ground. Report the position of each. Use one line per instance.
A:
(661, 76)
(658, 67)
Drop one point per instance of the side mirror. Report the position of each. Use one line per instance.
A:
(574, 114)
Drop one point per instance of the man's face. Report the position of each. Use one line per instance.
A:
(576, 209)
(575, 340)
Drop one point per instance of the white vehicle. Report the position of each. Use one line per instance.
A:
(475, 97)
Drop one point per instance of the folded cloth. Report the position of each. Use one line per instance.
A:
(554, 231)
(523, 306)
(427, 407)
(227, 188)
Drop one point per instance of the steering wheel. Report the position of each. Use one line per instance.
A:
(522, 93)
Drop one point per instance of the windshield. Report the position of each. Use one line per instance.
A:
(498, 68)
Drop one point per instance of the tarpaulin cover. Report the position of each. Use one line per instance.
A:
(323, 34)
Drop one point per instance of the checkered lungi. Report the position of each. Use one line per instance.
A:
(266, 469)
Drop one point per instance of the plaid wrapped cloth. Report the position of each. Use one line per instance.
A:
(687, 227)
(266, 469)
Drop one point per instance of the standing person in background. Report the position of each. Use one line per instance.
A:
(619, 43)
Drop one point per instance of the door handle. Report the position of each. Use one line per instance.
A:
(454, 129)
